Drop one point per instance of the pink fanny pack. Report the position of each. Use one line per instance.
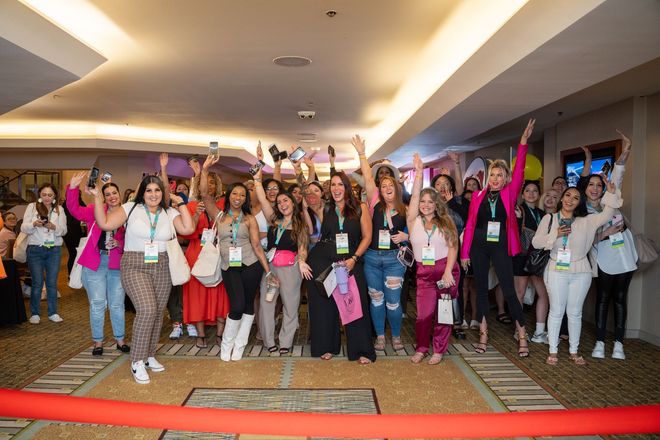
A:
(284, 258)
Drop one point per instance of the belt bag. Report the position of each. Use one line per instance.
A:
(284, 258)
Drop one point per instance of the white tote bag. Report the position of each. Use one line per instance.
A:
(179, 269)
(207, 267)
(20, 248)
(75, 278)
(445, 310)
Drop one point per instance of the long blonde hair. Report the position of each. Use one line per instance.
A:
(441, 217)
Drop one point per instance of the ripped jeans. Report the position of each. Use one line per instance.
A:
(384, 276)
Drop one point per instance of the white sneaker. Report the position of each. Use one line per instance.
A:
(177, 331)
(55, 318)
(465, 325)
(540, 338)
(599, 350)
(618, 353)
(191, 330)
(35, 319)
(474, 324)
(154, 365)
(139, 372)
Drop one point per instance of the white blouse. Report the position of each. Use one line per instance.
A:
(37, 234)
(138, 229)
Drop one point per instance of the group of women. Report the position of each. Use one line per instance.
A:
(273, 243)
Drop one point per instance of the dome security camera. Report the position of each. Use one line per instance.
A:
(306, 114)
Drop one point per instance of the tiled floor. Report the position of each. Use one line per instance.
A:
(57, 358)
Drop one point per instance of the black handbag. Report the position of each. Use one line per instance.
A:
(318, 281)
(537, 259)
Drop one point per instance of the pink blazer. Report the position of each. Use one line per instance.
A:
(509, 196)
(91, 256)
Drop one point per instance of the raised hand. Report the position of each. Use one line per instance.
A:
(77, 179)
(417, 163)
(164, 159)
(625, 141)
(454, 156)
(528, 131)
(260, 151)
(209, 162)
(611, 188)
(194, 165)
(587, 151)
(358, 144)
(308, 160)
(176, 199)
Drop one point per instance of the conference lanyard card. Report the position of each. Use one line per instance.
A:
(563, 259)
(493, 232)
(428, 256)
(384, 239)
(270, 255)
(342, 243)
(235, 256)
(49, 238)
(150, 253)
(207, 236)
(616, 240)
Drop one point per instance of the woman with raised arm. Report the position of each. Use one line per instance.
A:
(203, 305)
(242, 258)
(44, 222)
(100, 260)
(615, 254)
(382, 268)
(288, 235)
(491, 236)
(145, 272)
(568, 274)
(345, 237)
(434, 240)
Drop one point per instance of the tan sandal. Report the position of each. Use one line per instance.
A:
(577, 359)
(435, 359)
(417, 357)
(326, 356)
(396, 343)
(523, 350)
(363, 360)
(552, 360)
(380, 343)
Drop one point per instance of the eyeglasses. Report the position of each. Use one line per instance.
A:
(272, 188)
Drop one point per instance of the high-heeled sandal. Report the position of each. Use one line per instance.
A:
(481, 346)
(523, 350)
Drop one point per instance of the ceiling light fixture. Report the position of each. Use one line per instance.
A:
(292, 61)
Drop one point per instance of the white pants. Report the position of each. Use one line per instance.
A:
(567, 292)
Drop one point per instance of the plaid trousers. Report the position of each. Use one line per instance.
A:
(148, 285)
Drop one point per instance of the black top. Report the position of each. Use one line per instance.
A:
(286, 242)
(102, 238)
(378, 224)
(532, 217)
(460, 206)
(330, 227)
(484, 214)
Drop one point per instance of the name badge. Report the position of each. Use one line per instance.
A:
(270, 255)
(49, 240)
(207, 235)
(150, 253)
(493, 232)
(563, 259)
(616, 240)
(383, 239)
(342, 243)
(428, 256)
(235, 256)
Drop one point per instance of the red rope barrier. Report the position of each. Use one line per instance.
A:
(614, 420)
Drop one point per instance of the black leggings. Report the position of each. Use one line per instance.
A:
(482, 254)
(612, 287)
(242, 284)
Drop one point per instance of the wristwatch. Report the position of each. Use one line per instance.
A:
(178, 205)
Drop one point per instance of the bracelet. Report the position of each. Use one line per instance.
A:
(256, 180)
(356, 257)
(178, 205)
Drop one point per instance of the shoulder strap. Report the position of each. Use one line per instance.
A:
(550, 223)
(129, 215)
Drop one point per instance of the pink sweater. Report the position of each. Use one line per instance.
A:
(509, 196)
(91, 256)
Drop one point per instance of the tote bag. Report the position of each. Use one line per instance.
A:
(445, 310)
(75, 278)
(179, 269)
(20, 248)
(207, 267)
(350, 308)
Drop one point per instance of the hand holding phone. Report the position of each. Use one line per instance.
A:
(106, 177)
(606, 168)
(254, 169)
(297, 154)
(331, 151)
(213, 149)
(93, 177)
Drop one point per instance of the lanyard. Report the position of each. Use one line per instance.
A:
(235, 224)
(341, 219)
(152, 225)
(385, 223)
(280, 231)
(493, 203)
(535, 214)
(429, 235)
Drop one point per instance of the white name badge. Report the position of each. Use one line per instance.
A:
(563, 259)
(616, 240)
(493, 232)
(428, 256)
(383, 239)
(207, 236)
(270, 255)
(150, 253)
(342, 243)
(235, 256)
(49, 239)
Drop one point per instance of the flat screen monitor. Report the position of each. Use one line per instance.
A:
(574, 165)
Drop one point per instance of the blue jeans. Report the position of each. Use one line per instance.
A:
(104, 290)
(384, 276)
(40, 260)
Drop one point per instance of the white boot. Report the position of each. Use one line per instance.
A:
(599, 350)
(242, 337)
(228, 337)
(618, 353)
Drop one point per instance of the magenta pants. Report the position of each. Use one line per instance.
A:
(427, 304)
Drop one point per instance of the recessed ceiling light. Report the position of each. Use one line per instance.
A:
(306, 137)
(292, 61)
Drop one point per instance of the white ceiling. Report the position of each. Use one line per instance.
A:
(179, 74)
